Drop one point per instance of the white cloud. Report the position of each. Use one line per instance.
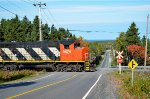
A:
(78, 9)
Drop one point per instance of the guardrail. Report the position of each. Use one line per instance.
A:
(138, 68)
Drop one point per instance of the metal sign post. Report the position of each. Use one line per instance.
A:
(132, 64)
(132, 77)
(119, 60)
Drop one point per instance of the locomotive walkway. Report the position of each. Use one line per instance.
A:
(63, 85)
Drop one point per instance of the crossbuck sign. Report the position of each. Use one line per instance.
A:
(119, 55)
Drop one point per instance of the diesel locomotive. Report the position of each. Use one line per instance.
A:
(52, 55)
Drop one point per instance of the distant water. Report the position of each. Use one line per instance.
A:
(100, 40)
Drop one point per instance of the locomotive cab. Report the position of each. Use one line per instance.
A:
(73, 52)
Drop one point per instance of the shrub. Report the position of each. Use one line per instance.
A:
(13, 75)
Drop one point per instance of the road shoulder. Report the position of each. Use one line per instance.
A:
(105, 89)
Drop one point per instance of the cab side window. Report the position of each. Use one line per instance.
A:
(77, 45)
(66, 46)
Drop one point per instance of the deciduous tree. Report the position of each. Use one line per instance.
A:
(136, 52)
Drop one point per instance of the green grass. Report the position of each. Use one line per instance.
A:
(140, 88)
(6, 76)
(114, 63)
(100, 62)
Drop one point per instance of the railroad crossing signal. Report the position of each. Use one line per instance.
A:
(119, 55)
(119, 60)
(132, 64)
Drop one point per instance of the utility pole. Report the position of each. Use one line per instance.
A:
(146, 43)
(40, 5)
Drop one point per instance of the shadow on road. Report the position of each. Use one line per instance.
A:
(16, 84)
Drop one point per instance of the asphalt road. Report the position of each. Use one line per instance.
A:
(62, 85)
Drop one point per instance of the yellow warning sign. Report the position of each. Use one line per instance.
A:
(132, 64)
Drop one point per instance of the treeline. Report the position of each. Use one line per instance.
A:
(16, 29)
(97, 49)
(132, 45)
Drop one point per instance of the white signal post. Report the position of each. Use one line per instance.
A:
(119, 60)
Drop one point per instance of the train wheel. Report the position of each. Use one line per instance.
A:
(63, 69)
(74, 68)
(58, 69)
(79, 68)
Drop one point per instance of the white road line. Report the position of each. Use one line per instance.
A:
(92, 87)
(40, 78)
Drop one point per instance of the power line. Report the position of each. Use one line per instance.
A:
(48, 17)
(14, 4)
(17, 6)
(45, 19)
(10, 11)
(52, 16)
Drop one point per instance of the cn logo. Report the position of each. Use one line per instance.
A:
(67, 51)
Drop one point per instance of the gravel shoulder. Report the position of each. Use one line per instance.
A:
(105, 88)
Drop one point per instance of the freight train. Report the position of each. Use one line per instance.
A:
(53, 55)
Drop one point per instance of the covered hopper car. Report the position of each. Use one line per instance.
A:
(51, 55)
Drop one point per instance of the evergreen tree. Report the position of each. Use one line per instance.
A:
(132, 35)
(15, 24)
(143, 41)
(62, 34)
(11, 29)
(25, 30)
(45, 32)
(1, 34)
(54, 33)
(35, 29)
(1, 30)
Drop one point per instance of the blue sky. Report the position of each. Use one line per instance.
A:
(108, 17)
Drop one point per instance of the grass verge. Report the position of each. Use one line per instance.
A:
(6, 76)
(113, 60)
(100, 62)
(140, 88)
(114, 63)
